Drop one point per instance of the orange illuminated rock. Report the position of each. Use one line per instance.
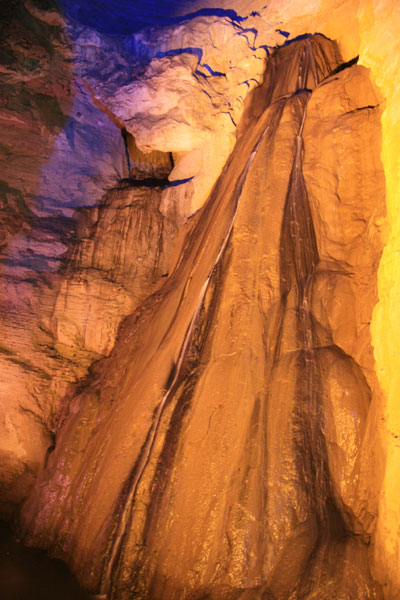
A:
(228, 490)
(219, 450)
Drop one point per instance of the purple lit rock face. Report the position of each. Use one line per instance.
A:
(60, 154)
(190, 239)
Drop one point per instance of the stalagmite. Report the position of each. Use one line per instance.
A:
(218, 451)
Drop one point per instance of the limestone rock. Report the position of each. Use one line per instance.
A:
(186, 92)
(189, 95)
(73, 151)
(59, 153)
(197, 483)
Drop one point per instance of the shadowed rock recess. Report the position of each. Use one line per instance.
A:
(218, 451)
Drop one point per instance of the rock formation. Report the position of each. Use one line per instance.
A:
(171, 478)
(62, 150)
(189, 273)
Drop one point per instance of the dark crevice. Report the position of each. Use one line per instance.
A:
(356, 110)
(154, 182)
(214, 12)
(345, 65)
(149, 182)
(124, 134)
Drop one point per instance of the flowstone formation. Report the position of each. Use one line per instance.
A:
(223, 449)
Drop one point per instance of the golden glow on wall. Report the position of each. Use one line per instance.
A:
(380, 51)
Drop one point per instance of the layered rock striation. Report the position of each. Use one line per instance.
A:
(223, 448)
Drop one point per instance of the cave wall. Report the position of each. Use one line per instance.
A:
(37, 295)
(188, 484)
(380, 52)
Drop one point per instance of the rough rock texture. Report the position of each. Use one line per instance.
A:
(59, 152)
(62, 149)
(371, 29)
(57, 324)
(210, 82)
(380, 50)
(182, 88)
(121, 253)
(37, 98)
(188, 98)
(219, 450)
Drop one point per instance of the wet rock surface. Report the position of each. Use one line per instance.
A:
(219, 451)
